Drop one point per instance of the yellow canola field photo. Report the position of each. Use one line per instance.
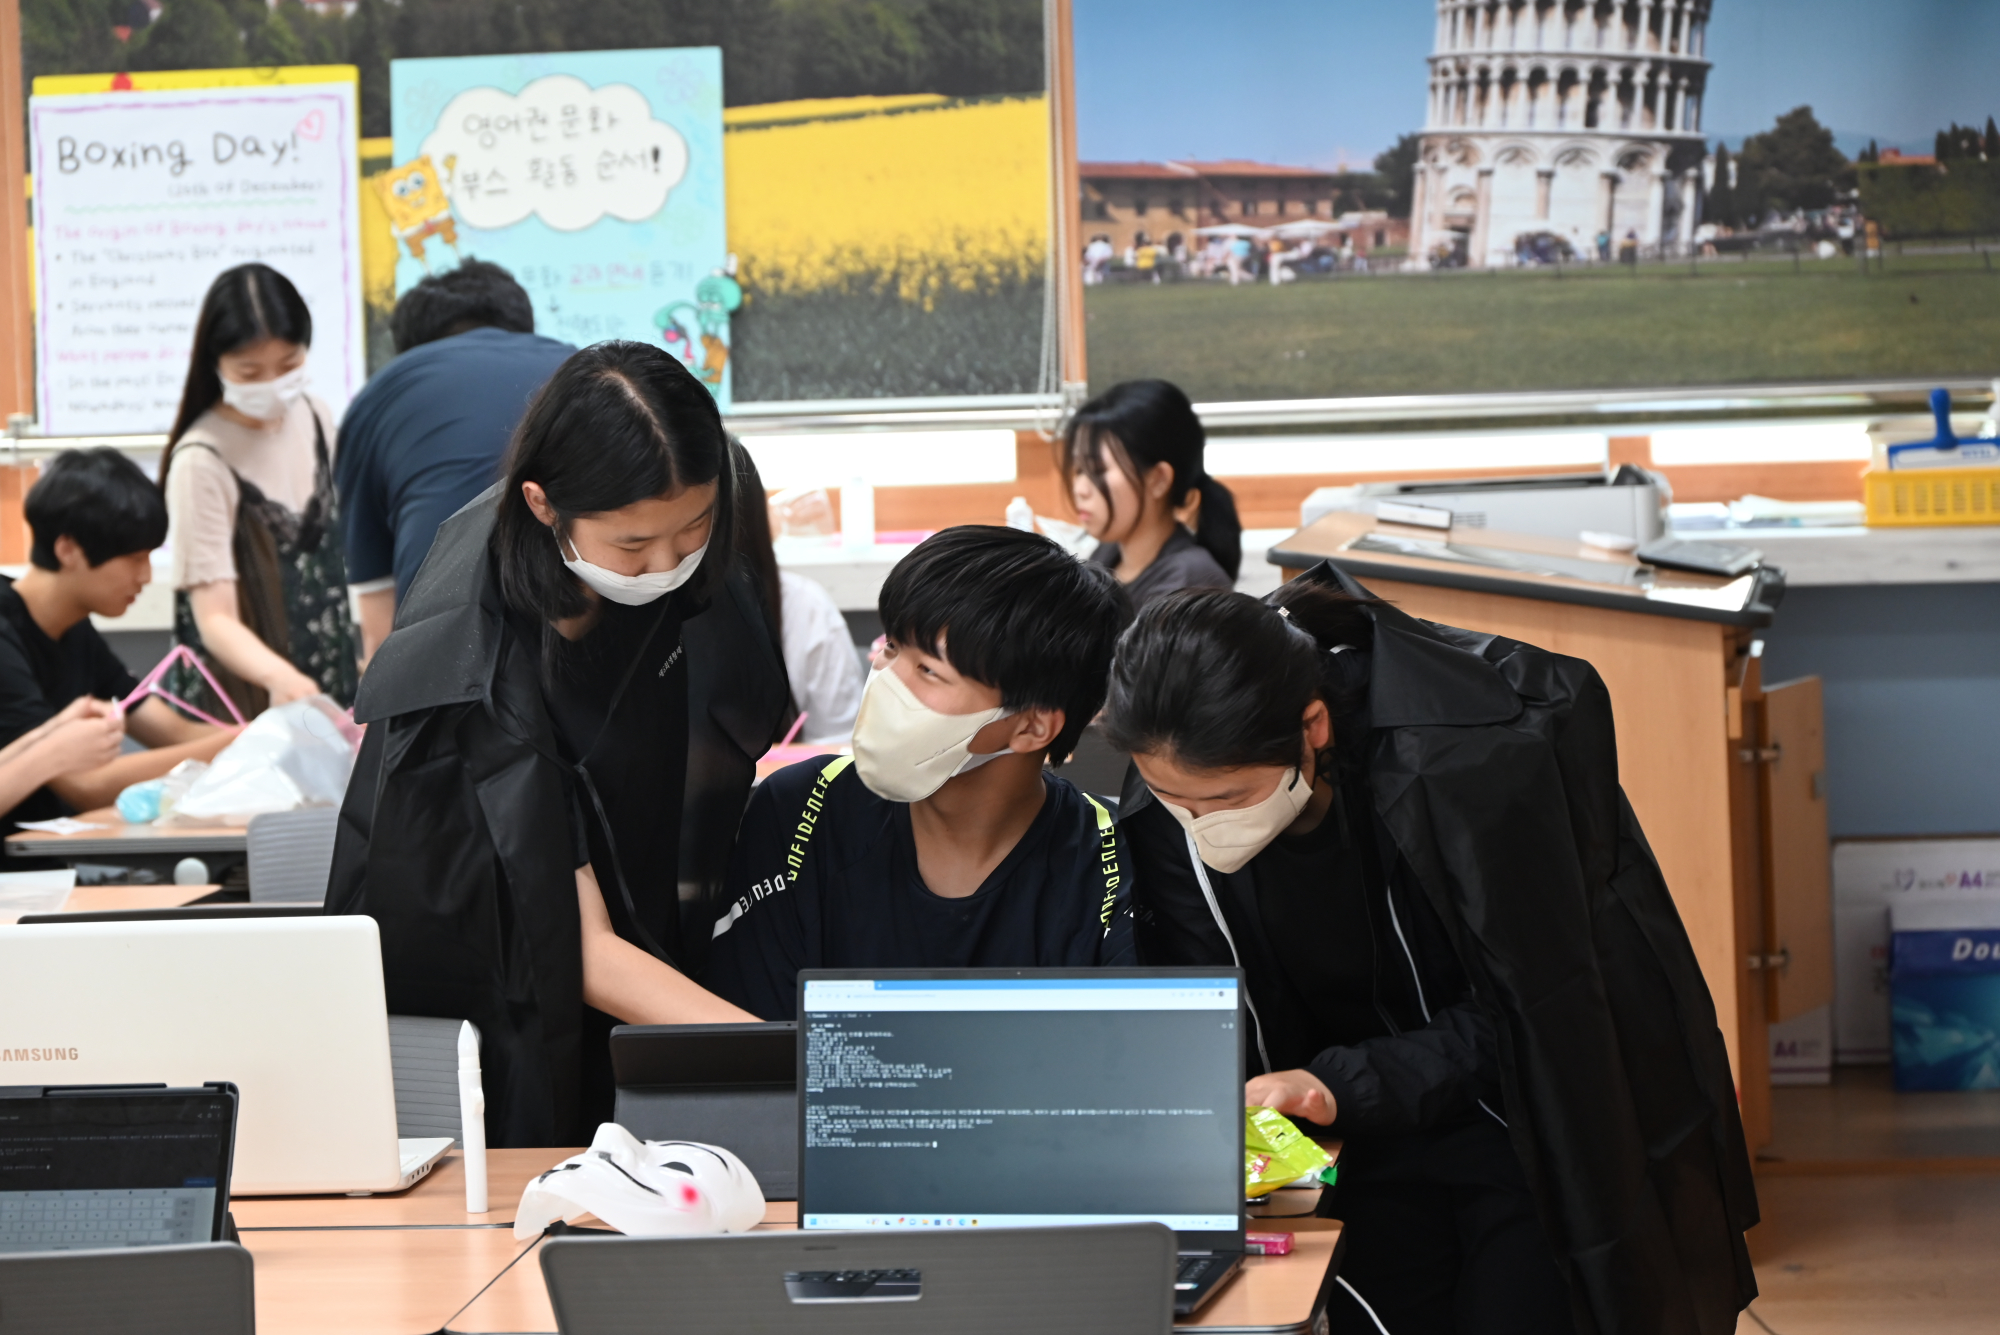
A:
(912, 196)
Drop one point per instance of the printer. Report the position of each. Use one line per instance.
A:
(1629, 502)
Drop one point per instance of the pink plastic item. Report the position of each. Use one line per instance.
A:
(797, 723)
(180, 653)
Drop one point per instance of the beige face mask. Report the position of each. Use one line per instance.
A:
(1228, 839)
(903, 749)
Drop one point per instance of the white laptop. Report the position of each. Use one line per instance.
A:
(291, 1010)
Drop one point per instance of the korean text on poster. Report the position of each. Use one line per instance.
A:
(595, 178)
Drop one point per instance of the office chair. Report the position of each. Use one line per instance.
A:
(291, 855)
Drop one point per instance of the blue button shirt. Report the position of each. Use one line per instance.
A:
(425, 436)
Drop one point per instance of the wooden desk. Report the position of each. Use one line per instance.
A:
(119, 840)
(99, 898)
(385, 1281)
(404, 1264)
(437, 1201)
(102, 898)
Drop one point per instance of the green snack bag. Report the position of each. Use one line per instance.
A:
(1276, 1152)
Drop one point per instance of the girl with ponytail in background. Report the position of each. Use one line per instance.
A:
(1132, 458)
(1461, 957)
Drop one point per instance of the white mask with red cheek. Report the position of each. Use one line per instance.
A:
(645, 1189)
(1228, 839)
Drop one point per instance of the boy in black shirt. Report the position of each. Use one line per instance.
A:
(944, 842)
(96, 519)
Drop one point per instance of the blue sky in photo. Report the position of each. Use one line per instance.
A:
(1316, 82)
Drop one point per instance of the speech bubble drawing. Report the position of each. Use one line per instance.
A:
(559, 149)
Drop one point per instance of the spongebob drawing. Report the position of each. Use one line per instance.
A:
(413, 194)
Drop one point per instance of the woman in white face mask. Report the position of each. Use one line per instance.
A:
(259, 574)
(562, 735)
(1459, 954)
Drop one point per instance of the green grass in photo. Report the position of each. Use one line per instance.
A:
(1734, 322)
(863, 341)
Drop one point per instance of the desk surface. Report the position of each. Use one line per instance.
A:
(1488, 561)
(117, 839)
(100, 898)
(409, 1262)
(438, 1200)
(1951, 554)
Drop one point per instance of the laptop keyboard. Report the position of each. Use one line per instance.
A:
(1192, 1271)
(33, 1221)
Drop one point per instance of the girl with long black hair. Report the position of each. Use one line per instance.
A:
(259, 572)
(1133, 461)
(1461, 956)
(563, 731)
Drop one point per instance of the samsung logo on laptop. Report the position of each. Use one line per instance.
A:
(37, 1054)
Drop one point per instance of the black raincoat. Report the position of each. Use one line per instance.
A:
(456, 835)
(1493, 768)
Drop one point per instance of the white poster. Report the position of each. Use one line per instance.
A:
(142, 198)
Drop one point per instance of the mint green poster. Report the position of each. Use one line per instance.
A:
(595, 177)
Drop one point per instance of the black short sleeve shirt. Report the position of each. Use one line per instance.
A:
(824, 875)
(39, 677)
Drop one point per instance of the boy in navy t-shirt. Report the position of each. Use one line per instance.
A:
(944, 841)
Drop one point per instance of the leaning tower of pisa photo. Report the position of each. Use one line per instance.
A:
(1565, 128)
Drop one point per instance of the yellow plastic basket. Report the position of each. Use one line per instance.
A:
(1921, 497)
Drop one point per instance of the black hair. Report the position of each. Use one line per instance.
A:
(244, 305)
(617, 423)
(1218, 679)
(1144, 423)
(475, 294)
(1017, 613)
(753, 541)
(753, 518)
(100, 500)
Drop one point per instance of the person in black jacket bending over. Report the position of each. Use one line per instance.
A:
(562, 734)
(1461, 957)
(945, 842)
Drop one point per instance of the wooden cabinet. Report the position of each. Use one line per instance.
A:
(1724, 776)
(1797, 871)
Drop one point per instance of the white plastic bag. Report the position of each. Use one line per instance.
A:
(296, 755)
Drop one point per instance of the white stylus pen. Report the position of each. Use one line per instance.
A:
(472, 1118)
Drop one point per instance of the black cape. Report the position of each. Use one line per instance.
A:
(1494, 768)
(455, 834)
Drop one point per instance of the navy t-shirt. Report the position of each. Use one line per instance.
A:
(825, 877)
(38, 679)
(425, 436)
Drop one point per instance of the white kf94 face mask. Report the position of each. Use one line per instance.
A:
(630, 590)
(265, 400)
(1229, 839)
(645, 1189)
(903, 749)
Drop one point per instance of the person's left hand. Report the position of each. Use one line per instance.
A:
(1293, 1093)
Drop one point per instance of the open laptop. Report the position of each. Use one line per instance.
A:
(289, 1010)
(93, 1167)
(1106, 1280)
(720, 1084)
(1011, 1098)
